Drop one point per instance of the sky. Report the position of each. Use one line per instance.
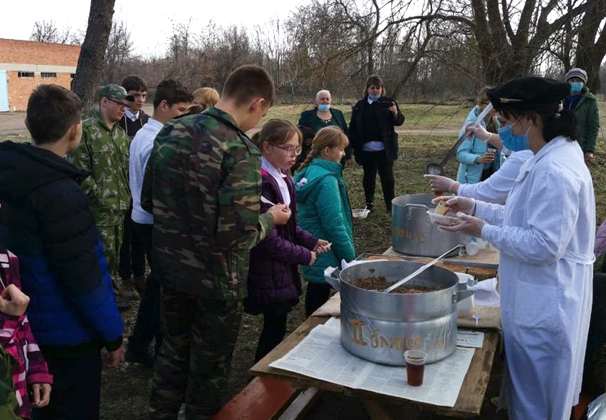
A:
(150, 22)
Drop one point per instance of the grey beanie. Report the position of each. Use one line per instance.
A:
(580, 73)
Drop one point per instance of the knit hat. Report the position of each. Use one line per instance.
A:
(580, 73)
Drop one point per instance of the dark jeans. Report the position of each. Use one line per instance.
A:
(77, 385)
(316, 296)
(374, 162)
(132, 251)
(274, 329)
(147, 326)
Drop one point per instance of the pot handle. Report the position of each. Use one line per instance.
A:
(461, 294)
(333, 280)
(422, 206)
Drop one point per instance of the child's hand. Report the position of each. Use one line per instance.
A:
(41, 395)
(313, 258)
(115, 357)
(13, 301)
(281, 213)
(322, 246)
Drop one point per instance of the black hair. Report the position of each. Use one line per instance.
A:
(558, 123)
(51, 111)
(172, 92)
(134, 82)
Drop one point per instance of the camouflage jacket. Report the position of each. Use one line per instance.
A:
(104, 152)
(203, 186)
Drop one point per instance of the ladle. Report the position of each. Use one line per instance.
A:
(438, 168)
(420, 270)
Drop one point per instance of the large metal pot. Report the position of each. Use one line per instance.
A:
(380, 326)
(412, 232)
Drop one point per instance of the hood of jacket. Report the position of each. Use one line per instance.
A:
(25, 168)
(309, 177)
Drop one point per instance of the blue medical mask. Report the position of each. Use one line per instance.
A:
(513, 143)
(373, 97)
(324, 107)
(576, 87)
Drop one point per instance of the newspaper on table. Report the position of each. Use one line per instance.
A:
(321, 356)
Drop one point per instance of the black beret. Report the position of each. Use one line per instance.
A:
(529, 93)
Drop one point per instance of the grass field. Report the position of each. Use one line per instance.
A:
(126, 389)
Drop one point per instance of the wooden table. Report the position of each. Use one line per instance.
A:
(468, 403)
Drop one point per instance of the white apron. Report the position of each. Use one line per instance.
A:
(545, 234)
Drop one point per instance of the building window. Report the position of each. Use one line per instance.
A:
(45, 75)
(26, 74)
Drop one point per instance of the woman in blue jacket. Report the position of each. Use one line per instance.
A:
(477, 161)
(324, 210)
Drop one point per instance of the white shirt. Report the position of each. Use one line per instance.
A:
(279, 177)
(545, 234)
(497, 187)
(130, 115)
(140, 150)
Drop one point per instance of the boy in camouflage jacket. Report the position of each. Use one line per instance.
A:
(104, 151)
(203, 186)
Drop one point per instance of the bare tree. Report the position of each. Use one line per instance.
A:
(591, 47)
(119, 49)
(90, 63)
(44, 31)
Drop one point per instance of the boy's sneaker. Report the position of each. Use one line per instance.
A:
(370, 206)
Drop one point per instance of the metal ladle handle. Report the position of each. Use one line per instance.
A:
(420, 270)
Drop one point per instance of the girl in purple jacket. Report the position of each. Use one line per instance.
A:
(274, 285)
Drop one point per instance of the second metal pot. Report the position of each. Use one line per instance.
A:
(411, 231)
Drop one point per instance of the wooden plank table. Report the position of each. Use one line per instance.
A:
(468, 403)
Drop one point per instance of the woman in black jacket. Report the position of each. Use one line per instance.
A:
(374, 139)
(313, 120)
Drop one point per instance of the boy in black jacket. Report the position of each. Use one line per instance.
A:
(45, 220)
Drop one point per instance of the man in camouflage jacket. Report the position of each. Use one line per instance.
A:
(104, 151)
(203, 186)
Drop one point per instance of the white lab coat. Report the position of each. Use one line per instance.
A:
(545, 234)
(496, 188)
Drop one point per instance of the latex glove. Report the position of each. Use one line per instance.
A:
(13, 301)
(442, 183)
(476, 130)
(41, 395)
(469, 225)
(458, 204)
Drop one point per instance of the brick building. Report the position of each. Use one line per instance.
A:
(27, 64)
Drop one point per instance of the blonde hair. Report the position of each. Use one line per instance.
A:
(327, 137)
(276, 131)
(206, 97)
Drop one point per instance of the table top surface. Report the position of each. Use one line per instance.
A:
(470, 397)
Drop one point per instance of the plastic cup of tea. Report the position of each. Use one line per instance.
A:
(415, 366)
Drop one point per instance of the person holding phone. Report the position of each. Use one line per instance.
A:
(374, 139)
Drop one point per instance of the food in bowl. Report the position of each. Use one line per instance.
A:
(360, 213)
(443, 220)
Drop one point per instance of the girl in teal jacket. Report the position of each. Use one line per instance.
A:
(475, 164)
(324, 210)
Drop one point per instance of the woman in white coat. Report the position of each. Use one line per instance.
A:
(545, 234)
